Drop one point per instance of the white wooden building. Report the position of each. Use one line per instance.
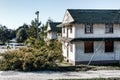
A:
(91, 36)
(52, 31)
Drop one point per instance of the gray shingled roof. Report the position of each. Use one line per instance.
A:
(95, 16)
(54, 27)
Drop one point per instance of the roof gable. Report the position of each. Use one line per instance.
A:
(48, 27)
(52, 26)
(95, 16)
(67, 18)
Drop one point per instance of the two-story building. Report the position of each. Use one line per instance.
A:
(52, 31)
(91, 36)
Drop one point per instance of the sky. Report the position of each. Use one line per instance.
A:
(14, 13)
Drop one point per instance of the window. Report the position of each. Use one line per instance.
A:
(109, 28)
(71, 48)
(70, 29)
(109, 46)
(88, 47)
(88, 28)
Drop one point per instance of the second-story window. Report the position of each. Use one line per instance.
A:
(108, 28)
(88, 28)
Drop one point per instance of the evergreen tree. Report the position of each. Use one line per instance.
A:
(21, 35)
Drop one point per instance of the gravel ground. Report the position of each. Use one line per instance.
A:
(44, 75)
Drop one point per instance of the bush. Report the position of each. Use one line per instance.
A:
(29, 59)
(11, 61)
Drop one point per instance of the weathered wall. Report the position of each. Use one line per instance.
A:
(100, 54)
(72, 53)
(64, 49)
(67, 53)
(98, 31)
(52, 35)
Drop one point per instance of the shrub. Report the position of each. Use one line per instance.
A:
(29, 59)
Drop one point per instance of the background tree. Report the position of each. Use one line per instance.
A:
(32, 31)
(6, 34)
(25, 26)
(21, 35)
(42, 32)
(12, 34)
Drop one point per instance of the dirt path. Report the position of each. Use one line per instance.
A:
(44, 75)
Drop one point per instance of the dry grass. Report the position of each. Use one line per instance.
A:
(66, 66)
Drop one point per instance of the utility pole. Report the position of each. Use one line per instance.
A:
(37, 23)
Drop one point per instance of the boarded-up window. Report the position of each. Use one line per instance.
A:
(88, 47)
(108, 28)
(109, 46)
(88, 28)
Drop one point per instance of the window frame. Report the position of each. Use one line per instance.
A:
(88, 28)
(109, 28)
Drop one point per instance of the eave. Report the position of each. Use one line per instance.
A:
(95, 39)
(65, 24)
